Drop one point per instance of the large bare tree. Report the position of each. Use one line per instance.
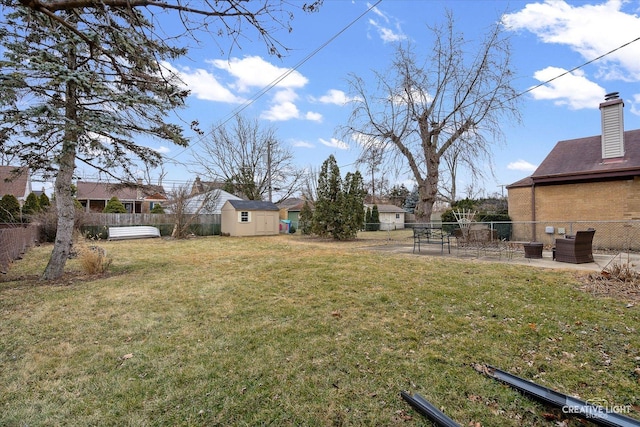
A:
(80, 80)
(250, 160)
(456, 98)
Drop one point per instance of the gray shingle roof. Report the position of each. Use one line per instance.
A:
(253, 205)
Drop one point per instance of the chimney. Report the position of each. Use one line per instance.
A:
(612, 126)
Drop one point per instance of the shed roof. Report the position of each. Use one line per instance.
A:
(388, 208)
(14, 180)
(253, 205)
(581, 159)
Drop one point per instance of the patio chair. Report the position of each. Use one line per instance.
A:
(575, 249)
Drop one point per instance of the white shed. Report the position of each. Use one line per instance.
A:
(250, 218)
(391, 217)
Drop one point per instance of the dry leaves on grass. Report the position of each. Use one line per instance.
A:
(618, 281)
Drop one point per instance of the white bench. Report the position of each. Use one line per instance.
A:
(134, 232)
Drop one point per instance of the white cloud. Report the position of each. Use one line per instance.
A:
(384, 30)
(204, 85)
(522, 165)
(283, 107)
(253, 71)
(388, 35)
(334, 143)
(378, 12)
(281, 112)
(573, 90)
(162, 149)
(313, 116)
(334, 96)
(302, 144)
(635, 105)
(557, 22)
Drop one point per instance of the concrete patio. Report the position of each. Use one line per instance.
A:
(601, 260)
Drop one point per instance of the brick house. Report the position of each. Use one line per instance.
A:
(138, 198)
(595, 178)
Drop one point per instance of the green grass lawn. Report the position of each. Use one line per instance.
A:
(294, 331)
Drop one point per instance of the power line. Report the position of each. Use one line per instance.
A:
(574, 69)
(274, 83)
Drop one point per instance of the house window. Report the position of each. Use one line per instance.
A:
(244, 216)
(397, 216)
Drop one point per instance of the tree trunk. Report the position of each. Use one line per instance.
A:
(428, 188)
(65, 205)
(65, 208)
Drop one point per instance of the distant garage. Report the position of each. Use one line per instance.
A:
(250, 218)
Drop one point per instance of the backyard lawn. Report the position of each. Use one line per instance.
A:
(294, 331)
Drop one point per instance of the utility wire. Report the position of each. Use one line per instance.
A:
(573, 69)
(273, 84)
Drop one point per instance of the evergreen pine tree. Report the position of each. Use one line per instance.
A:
(9, 209)
(327, 215)
(114, 206)
(31, 205)
(375, 218)
(306, 218)
(44, 202)
(367, 220)
(157, 209)
(353, 206)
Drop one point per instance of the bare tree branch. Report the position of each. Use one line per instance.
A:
(448, 109)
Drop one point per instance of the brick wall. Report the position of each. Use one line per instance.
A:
(595, 201)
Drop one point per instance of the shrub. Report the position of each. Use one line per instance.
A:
(306, 218)
(157, 209)
(93, 260)
(375, 218)
(48, 220)
(9, 209)
(44, 202)
(31, 205)
(114, 206)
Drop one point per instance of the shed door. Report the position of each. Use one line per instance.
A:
(264, 223)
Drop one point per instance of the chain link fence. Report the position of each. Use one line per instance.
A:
(616, 236)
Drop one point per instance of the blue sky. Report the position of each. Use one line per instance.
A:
(548, 39)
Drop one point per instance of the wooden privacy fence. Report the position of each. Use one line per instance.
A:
(14, 242)
(97, 224)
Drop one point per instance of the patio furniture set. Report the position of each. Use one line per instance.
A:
(575, 249)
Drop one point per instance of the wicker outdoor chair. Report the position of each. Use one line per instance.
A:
(575, 249)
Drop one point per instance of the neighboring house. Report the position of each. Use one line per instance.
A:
(199, 186)
(391, 216)
(596, 178)
(139, 198)
(207, 203)
(15, 180)
(250, 218)
(290, 209)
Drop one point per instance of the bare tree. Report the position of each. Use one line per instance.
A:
(250, 160)
(372, 160)
(80, 80)
(186, 208)
(419, 111)
(309, 185)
